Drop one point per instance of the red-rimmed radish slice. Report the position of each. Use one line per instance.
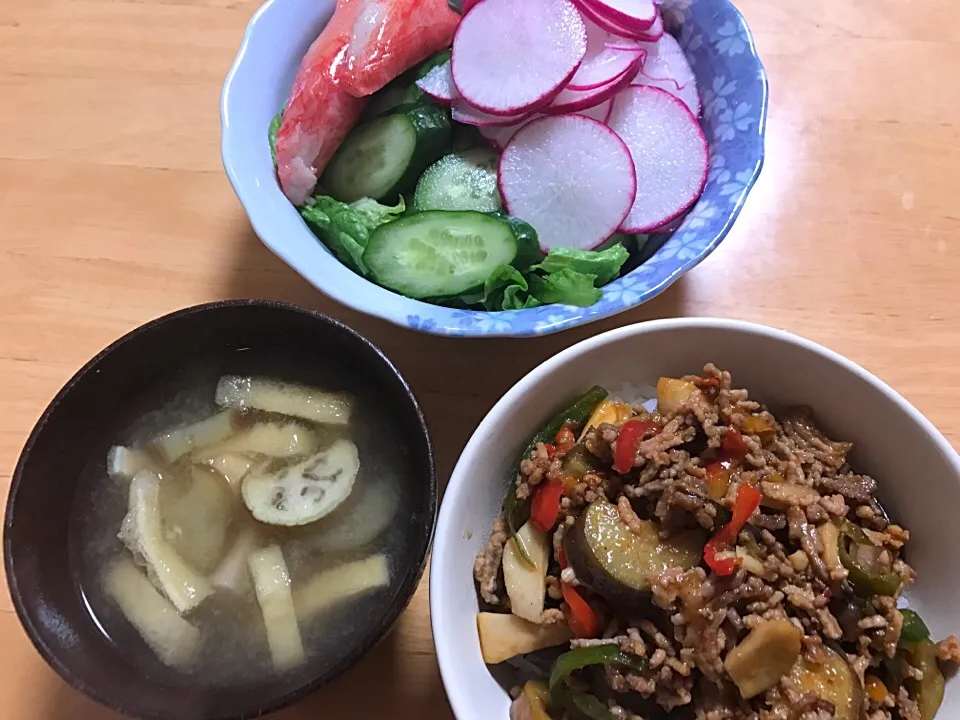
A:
(618, 42)
(602, 64)
(438, 83)
(571, 178)
(689, 95)
(669, 151)
(600, 112)
(499, 137)
(607, 24)
(463, 112)
(654, 32)
(634, 15)
(569, 101)
(510, 57)
(667, 61)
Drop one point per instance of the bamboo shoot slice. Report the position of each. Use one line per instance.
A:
(332, 587)
(291, 399)
(271, 581)
(275, 439)
(307, 491)
(504, 635)
(179, 442)
(173, 639)
(142, 533)
(526, 584)
(124, 463)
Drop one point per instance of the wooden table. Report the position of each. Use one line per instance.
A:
(114, 209)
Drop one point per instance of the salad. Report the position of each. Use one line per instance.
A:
(517, 155)
(698, 557)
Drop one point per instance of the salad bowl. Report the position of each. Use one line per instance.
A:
(733, 86)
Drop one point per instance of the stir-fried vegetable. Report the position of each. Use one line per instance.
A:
(579, 658)
(578, 462)
(576, 415)
(914, 629)
(764, 656)
(867, 579)
(928, 690)
(631, 435)
(609, 411)
(546, 504)
(748, 499)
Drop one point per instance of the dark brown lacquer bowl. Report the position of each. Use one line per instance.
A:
(71, 441)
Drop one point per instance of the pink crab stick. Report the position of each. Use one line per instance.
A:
(366, 44)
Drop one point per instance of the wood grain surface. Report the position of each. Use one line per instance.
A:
(114, 209)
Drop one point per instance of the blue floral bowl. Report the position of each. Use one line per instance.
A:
(732, 82)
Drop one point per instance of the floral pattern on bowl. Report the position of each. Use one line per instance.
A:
(733, 86)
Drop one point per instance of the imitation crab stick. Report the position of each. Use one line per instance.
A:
(366, 44)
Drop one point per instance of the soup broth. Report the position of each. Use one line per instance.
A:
(257, 509)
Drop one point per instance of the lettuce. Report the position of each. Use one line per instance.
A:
(565, 286)
(272, 134)
(346, 229)
(604, 265)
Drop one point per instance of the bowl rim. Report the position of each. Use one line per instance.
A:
(443, 321)
(446, 532)
(405, 592)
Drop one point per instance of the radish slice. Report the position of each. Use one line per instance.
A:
(602, 64)
(510, 57)
(667, 68)
(596, 18)
(618, 42)
(669, 151)
(464, 113)
(654, 32)
(689, 95)
(635, 15)
(499, 137)
(438, 83)
(667, 61)
(570, 177)
(600, 112)
(576, 100)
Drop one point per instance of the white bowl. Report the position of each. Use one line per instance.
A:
(917, 470)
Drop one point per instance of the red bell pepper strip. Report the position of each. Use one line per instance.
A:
(565, 438)
(631, 435)
(546, 504)
(582, 619)
(733, 443)
(748, 499)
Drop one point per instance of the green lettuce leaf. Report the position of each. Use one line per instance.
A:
(503, 278)
(272, 134)
(565, 286)
(346, 229)
(603, 264)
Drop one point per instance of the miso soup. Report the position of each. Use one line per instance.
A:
(247, 525)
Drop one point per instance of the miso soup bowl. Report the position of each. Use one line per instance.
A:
(917, 470)
(86, 417)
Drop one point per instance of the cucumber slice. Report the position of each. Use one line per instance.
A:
(384, 157)
(462, 181)
(439, 253)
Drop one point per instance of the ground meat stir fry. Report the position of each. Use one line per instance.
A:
(708, 559)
